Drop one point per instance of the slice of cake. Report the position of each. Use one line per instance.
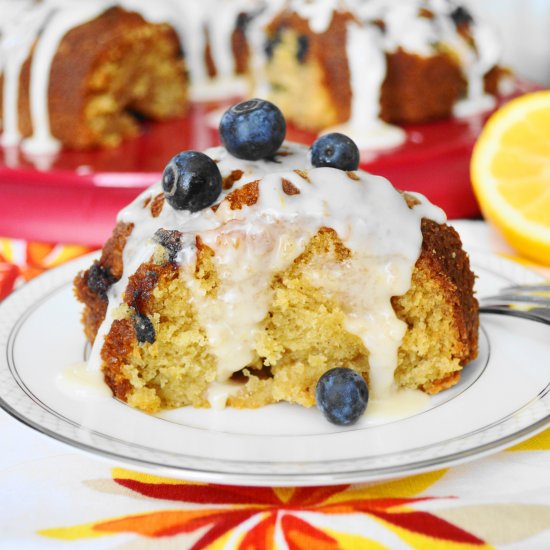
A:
(353, 62)
(255, 268)
(80, 74)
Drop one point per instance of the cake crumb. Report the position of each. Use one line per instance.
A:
(157, 205)
(289, 188)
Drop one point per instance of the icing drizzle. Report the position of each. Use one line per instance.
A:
(43, 25)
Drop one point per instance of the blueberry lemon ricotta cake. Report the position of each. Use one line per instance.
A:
(356, 62)
(263, 271)
(81, 74)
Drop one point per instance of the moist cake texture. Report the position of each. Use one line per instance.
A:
(294, 271)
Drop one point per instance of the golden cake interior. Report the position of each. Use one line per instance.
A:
(302, 336)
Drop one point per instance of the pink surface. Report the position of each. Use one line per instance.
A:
(76, 196)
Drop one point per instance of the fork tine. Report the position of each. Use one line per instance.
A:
(504, 310)
(526, 301)
(516, 299)
(539, 287)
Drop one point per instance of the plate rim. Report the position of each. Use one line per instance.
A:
(66, 272)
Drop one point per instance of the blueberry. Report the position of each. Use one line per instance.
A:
(335, 150)
(271, 43)
(145, 331)
(100, 280)
(253, 129)
(342, 396)
(303, 47)
(243, 20)
(171, 240)
(191, 181)
(461, 16)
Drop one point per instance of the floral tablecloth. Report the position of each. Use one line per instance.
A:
(51, 496)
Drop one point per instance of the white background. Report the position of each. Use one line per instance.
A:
(524, 27)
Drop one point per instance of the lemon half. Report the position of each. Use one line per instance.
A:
(510, 173)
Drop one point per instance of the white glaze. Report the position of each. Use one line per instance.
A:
(44, 24)
(215, 20)
(318, 13)
(214, 89)
(487, 56)
(252, 243)
(219, 392)
(256, 38)
(365, 126)
(400, 404)
(62, 21)
(15, 46)
(80, 382)
(407, 29)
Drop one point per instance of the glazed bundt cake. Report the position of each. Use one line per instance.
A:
(80, 73)
(302, 264)
(406, 61)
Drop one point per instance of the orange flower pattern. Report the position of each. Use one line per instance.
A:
(21, 261)
(218, 512)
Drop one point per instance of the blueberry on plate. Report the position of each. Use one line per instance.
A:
(253, 129)
(342, 396)
(191, 181)
(336, 151)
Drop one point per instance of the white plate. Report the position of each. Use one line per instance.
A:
(504, 397)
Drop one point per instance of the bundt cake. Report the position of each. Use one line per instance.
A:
(81, 74)
(78, 73)
(299, 266)
(406, 61)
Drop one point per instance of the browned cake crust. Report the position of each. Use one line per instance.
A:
(239, 48)
(103, 71)
(442, 260)
(420, 89)
(91, 285)
(239, 44)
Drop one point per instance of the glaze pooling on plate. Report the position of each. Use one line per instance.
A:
(253, 241)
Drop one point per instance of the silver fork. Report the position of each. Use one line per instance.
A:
(525, 301)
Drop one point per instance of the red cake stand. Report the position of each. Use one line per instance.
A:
(75, 196)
